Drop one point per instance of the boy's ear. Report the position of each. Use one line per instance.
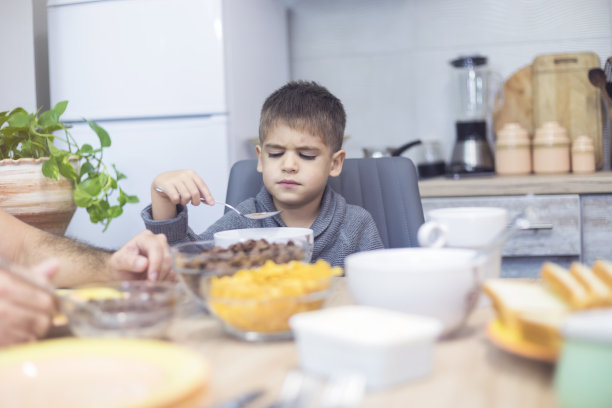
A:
(259, 166)
(336, 163)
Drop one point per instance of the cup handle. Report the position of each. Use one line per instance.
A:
(432, 234)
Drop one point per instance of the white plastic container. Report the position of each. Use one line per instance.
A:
(384, 346)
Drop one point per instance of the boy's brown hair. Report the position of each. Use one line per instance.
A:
(304, 105)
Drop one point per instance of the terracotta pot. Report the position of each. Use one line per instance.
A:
(33, 198)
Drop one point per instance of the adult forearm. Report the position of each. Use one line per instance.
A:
(26, 245)
(79, 263)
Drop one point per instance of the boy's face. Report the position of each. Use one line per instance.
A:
(295, 166)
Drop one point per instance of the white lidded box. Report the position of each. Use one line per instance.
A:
(386, 347)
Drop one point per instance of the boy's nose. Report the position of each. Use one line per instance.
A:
(290, 163)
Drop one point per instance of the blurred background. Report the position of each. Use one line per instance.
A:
(387, 60)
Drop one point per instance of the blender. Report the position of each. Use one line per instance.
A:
(471, 153)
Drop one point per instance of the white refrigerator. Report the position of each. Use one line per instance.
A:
(178, 84)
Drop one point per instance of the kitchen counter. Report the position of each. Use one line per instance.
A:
(573, 214)
(594, 183)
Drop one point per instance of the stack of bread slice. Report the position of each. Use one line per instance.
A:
(536, 310)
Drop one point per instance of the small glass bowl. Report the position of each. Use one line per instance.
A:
(136, 309)
(265, 318)
(194, 261)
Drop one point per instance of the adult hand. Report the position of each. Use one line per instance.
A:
(145, 253)
(26, 311)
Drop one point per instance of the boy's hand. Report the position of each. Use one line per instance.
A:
(179, 187)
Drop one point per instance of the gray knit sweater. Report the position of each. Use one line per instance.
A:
(340, 229)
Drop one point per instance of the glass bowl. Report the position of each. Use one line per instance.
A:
(138, 309)
(194, 261)
(256, 304)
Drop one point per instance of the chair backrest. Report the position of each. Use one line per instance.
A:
(387, 187)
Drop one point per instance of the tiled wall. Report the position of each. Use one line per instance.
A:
(387, 60)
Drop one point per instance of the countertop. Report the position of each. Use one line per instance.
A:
(593, 183)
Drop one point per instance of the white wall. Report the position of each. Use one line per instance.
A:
(17, 77)
(387, 60)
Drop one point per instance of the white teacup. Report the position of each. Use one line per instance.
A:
(466, 227)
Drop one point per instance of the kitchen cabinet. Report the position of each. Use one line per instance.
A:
(574, 221)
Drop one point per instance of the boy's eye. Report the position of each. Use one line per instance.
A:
(275, 154)
(308, 156)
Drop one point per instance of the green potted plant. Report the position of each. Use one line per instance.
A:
(41, 139)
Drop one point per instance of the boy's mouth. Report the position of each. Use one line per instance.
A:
(288, 183)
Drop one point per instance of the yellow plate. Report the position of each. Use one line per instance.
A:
(512, 342)
(88, 373)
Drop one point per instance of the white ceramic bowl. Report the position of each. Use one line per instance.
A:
(273, 235)
(441, 283)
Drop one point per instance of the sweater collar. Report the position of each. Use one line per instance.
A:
(331, 203)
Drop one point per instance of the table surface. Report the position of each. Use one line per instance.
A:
(469, 371)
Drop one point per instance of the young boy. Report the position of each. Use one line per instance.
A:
(300, 134)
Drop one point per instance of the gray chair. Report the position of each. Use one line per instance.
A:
(386, 187)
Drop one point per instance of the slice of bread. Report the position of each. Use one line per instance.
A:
(565, 285)
(511, 299)
(599, 293)
(603, 270)
(543, 327)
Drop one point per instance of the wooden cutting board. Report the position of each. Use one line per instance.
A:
(517, 106)
(562, 92)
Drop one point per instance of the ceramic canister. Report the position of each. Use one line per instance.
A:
(512, 150)
(551, 149)
(583, 155)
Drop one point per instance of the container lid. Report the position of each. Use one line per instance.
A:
(512, 135)
(593, 326)
(583, 143)
(366, 326)
(469, 61)
(551, 134)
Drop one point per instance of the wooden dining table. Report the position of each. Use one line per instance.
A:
(468, 369)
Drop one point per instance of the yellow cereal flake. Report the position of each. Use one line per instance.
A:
(263, 299)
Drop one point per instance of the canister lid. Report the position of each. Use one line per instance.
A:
(551, 134)
(592, 325)
(512, 135)
(583, 143)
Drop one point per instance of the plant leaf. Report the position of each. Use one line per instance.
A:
(115, 211)
(91, 186)
(105, 140)
(95, 213)
(50, 169)
(48, 119)
(83, 199)
(60, 108)
(85, 149)
(19, 119)
(132, 199)
(66, 169)
(86, 168)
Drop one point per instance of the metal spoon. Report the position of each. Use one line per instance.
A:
(597, 77)
(253, 216)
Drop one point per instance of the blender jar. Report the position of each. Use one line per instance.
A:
(473, 96)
